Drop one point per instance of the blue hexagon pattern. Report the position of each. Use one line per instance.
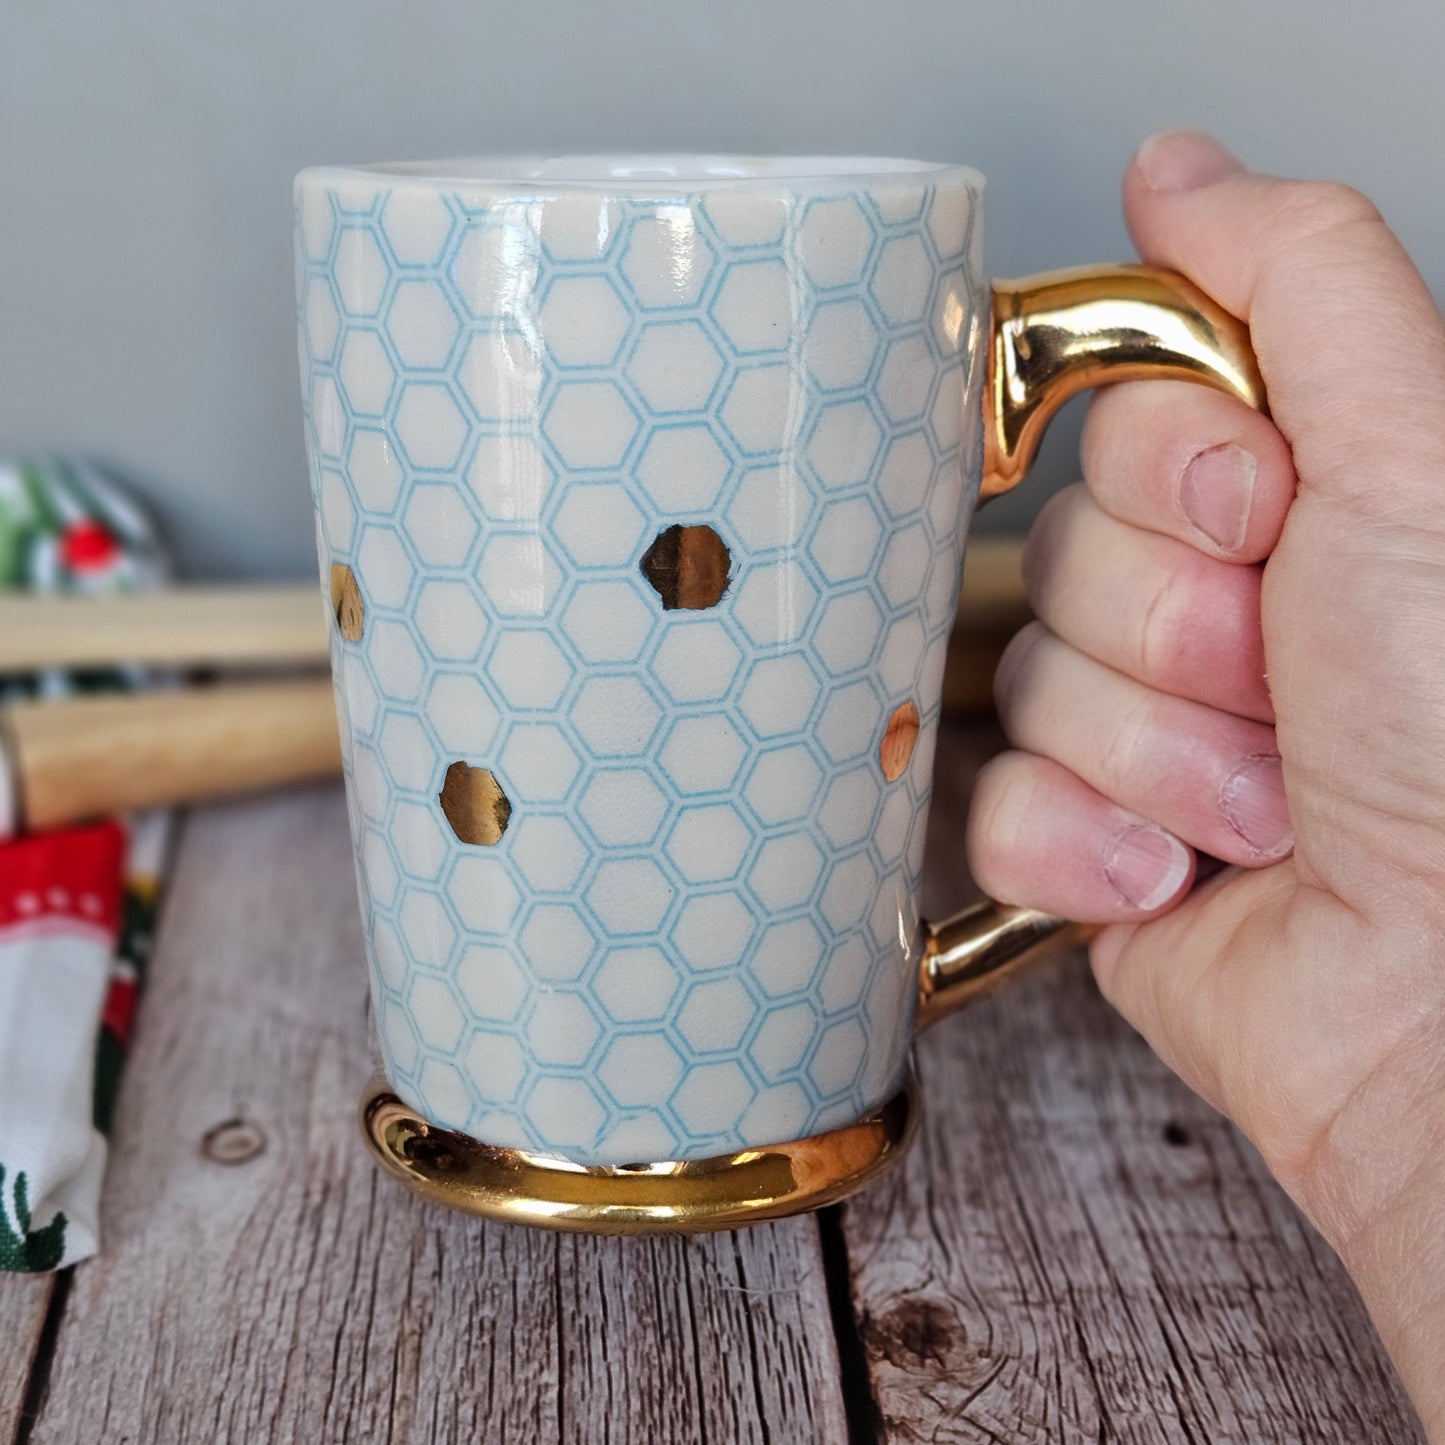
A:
(696, 934)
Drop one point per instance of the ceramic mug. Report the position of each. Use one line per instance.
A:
(641, 490)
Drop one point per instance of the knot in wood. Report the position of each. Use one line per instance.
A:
(917, 1331)
(233, 1142)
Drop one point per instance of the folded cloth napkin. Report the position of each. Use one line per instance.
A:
(77, 905)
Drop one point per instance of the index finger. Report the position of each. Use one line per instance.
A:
(1174, 458)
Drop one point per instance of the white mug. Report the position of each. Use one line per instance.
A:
(641, 488)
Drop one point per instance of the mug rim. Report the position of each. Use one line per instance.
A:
(644, 173)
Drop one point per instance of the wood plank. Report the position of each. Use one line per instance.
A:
(1080, 1249)
(24, 1300)
(261, 1281)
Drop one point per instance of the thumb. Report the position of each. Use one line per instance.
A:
(1336, 309)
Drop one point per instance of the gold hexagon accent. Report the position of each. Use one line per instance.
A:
(899, 740)
(688, 567)
(346, 603)
(474, 804)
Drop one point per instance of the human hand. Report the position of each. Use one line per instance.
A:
(1301, 991)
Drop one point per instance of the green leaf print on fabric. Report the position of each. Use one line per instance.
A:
(17, 524)
(29, 1251)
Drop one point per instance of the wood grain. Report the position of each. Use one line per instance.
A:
(287, 1292)
(1081, 1250)
(24, 1300)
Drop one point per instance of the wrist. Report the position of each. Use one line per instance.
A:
(1397, 1261)
(1375, 1189)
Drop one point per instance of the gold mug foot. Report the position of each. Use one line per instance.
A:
(670, 1196)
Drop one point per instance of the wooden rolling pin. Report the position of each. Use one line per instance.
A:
(191, 626)
(77, 757)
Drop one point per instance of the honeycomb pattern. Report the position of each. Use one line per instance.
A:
(696, 932)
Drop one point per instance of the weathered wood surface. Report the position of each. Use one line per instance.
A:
(24, 1301)
(262, 1283)
(1078, 1251)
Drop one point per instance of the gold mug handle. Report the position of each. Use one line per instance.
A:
(1051, 336)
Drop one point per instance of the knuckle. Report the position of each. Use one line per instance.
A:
(1041, 546)
(998, 832)
(1105, 425)
(1016, 668)
(1309, 209)
(1117, 416)
(1127, 743)
(1154, 637)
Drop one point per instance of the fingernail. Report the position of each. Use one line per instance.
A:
(1215, 491)
(1253, 803)
(1183, 160)
(1146, 865)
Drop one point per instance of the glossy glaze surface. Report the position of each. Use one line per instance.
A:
(696, 930)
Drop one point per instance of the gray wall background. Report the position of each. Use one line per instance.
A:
(146, 153)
